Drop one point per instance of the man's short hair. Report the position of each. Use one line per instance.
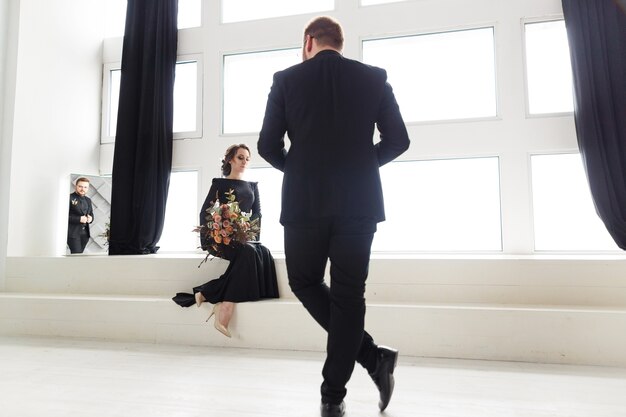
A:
(82, 179)
(327, 31)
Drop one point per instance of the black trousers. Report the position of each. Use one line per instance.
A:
(340, 308)
(78, 244)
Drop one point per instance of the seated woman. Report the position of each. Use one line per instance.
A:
(251, 274)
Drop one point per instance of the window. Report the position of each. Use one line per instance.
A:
(564, 214)
(440, 76)
(270, 185)
(181, 214)
(431, 206)
(111, 94)
(241, 10)
(372, 2)
(548, 68)
(441, 205)
(187, 99)
(443, 70)
(189, 15)
(247, 82)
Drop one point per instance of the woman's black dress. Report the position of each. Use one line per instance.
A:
(251, 274)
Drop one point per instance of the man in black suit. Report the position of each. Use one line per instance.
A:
(332, 197)
(80, 216)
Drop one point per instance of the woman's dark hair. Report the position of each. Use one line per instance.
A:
(230, 154)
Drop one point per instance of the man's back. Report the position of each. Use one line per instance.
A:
(329, 106)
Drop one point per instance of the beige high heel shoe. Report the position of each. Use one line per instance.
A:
(199, 299)
(219, 326)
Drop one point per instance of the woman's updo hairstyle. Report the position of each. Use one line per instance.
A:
(230, 154)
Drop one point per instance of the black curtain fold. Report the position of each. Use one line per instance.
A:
(143, 144)
(596, 31)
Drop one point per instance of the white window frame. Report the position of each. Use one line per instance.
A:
(487, 25)
(197, 133)
(523, 23)
(499, 250)
(198, 171)
(257, 19)
(106, 98)
(105, 137)
(385, 3)
(223, 56)
(533, 202)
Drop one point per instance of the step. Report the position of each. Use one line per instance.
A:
(529, 333)
(598, 281)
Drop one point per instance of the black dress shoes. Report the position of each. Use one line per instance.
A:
(387, 358)
(333, 410)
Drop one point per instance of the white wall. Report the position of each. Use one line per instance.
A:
(9, 11)
(57, 118)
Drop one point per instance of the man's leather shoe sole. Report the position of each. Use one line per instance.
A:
(333, 410)
(383, 376)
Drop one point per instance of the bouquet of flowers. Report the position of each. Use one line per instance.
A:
(227, 225)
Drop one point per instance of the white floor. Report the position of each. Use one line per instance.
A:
(63, 377)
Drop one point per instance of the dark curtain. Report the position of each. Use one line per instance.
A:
(596, 30)
(143, 144)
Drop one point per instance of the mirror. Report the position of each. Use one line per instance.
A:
(97, 195)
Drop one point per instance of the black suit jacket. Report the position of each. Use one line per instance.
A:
(79, 206)
(329, 106)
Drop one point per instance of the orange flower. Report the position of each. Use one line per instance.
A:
(227, 224)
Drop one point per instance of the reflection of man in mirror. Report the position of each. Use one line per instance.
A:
(81, 214)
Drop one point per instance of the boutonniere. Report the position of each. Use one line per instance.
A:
(74, 202)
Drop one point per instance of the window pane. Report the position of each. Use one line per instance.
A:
(371, 2)
(240, 10)
(441, 206)
(185, 96)
(564, 215)
(181, 213)
(548, 68)
(247, 82)
(270, 185)
(189, 15)
(439, 76)
(114, 99)
(436, 222)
